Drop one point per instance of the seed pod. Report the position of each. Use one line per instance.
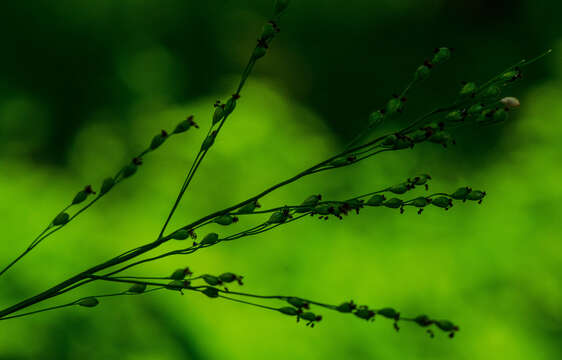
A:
(258, 53)
(180, 234)
(422, 73)
(354, 204)
(390, 140)
(423, 320)
(269, 31)
(137, 288)
(80, 197)
(469, 89)
(211, 280)
(158, 140)
(364, 313)
(485, 116)
(107, 185)
(420, 202)
(510, 102)
(491, 91)
(228, 277)
(441, 55)
(291, 311)
(403, 143)
(510, 75)
(346, 307)
(309, 203)
(61, 219)
(185, 125)
(129, 170)
(226, 220)
(421, 179)
(376, 200)
(500, 115)
(210, 239)
(442, 202)
(179, 274)
(455, 115)
(209, 141)
(393, 203)
(309, 316)
(218, 115)
(230, 105)
(418, 136)
(278, 217)
(298, 303)
(211, 292)
(176, 285)
(389, 313)
(399, 188)
(475, 109)
(88, 302)
(249, 207)
(446, 325)
(375, 118)
(476, 195)
(280, 6)
(394, 106)
(323, 209)
(461, 193)
(441, 137)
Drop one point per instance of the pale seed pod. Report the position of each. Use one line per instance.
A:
(88, 302)
(288, 310)
(61, 219)
(376, 200)
(441, 55)
(210, 239)
(180, 234)
(511, 102)
(137, 288)
(107, 185)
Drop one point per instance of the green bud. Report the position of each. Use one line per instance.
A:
(61, 219)
(420, 179)
(418, 136)
(310, 202)
(423, 320)
(210, 239)
(129, 170)
(469, 89)
(399, 188)
(343, 161)
(393, 203)
(376, 200)
(394, 106)
(179, 274)
(375, 118)
(390, 140)
(454, 116)
(230, 105)
(80, 197)
(211, 292)
(389, 313)
(491, 91)
(510, 75)
(209, 141)
(445, 325)
(228, 277)
(461, 193)
(180, 235)
(211, 280)
(476, 195)
(298, 303)
(422, 73)
(420, 202)
(280, 6)
(176, 285)
(226, 220)
(278, 217)
(442, 202)
(185, 125)
(258, 53)
(485, 116)
(106, 186)
(323, 209)
(88, 302)
(291, 311)
(137, 288)
(364, 313)
(269, 31)
(309, 316)
(475, 109)
(500, 115)
(346, 307)
(158, 140)
(441, 55)
(249, 207)
(218, 115)
(441, 137)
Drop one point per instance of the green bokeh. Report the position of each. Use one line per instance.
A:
(86, 85)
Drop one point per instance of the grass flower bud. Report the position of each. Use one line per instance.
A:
(209, 141)
(491, 91)
(130, 169)
(394, 105)
(421, 202)
(229, 277)
(137, 288)
(218, 115)
(210, 239)
(298, 303)
(107, 185)
(442, 202)
(176, 285)
(510, 102)
(288, 310)
(61, 219)
(258, 53)
(180, 235)
(346, 307)
(158, 140)
(249, 207)
(364, 313)
(179, 274)
(476, 195)
(211, 292)
(82, 195)
(446, 325)
(442, 137)
(400, 188)
(375, 118)
(469, 89)
(455, 115)
(441, 55)
(423, 320)
(310, 317)
(461, 193)
(211, 280)
(389, 313)
(422, 73)
(230, 105)
(88, 302)
(279, 217)
(420, 179)
(185, 125)
(419, 136)
(393, 203)
(376, 200)
(226, 220)
(475, 109)
(309, 203)
(500, 115)
(269, 31)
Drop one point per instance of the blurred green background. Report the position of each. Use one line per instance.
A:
(85, 85)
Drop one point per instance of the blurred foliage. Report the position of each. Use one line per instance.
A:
(84, 85)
